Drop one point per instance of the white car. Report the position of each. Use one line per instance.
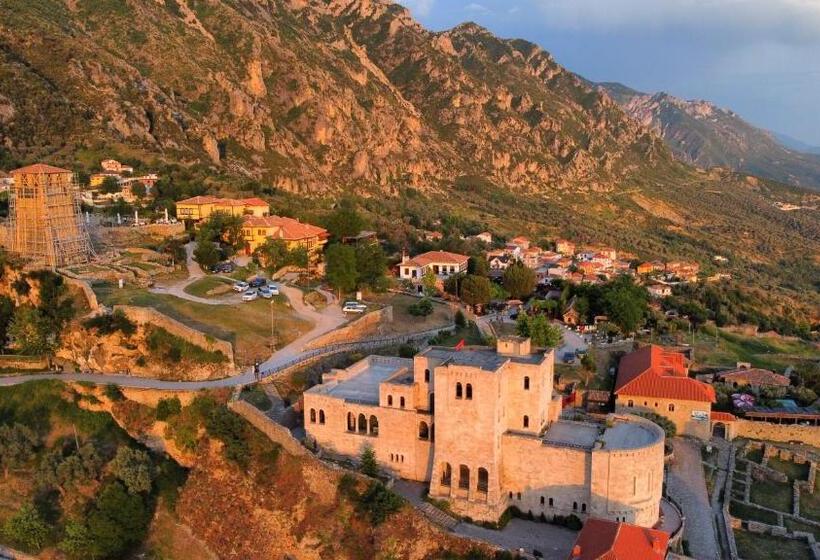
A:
(240, 287)
(354, 307)
(250, 295)
(265, 292)
(274, 289)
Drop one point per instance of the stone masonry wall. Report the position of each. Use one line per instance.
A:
(366, 325)
(149, 316)
(809, 435)
(272, 430)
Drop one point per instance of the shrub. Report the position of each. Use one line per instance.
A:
(422, 308)
(108, 324)
(229, 428)
(113, 393)
(460, 319)
(379, 502)
(347, 486)
(407, 351)
(168, 407)
(668, 426)
(368, 464)
(27, 529)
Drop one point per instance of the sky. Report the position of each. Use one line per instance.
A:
(760, 58)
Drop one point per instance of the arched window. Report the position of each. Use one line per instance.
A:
(630, 403)
(671, 407)
(551, 502)
(312, 415)
(511, 495)
(424, 431)
(321, 416)
(427, 376)
(362, 424)
(656, 405)
(374, 426)
(574, 506)
(469, 392)
(458, 390)
(401, 402)
(391, 457)
(351, 422)
(389, 400)
(542, 500)
(518, 495)
(464, 477)
(446, 474)
(583, 508)
(526, 383)
(483, 479)
(526, 421)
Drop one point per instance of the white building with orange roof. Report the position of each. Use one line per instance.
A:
(443, 264)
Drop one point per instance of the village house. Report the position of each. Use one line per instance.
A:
(601, 539)
(199, 208)
(654, 379)
(484, 237)
(114, 166)
(570, 316)
(521, 242)
(97, 179)
(432, 235)
(258, 229)
(659, 291)
(500, 261)
(756, 378)
(471, 423)
(565, 247)
(6, 181)
(442, 264)
(686, 271)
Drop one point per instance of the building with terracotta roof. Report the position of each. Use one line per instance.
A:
(565, 247)
(200, 208)
(115, 166)
(45, 222)
(753, 377)
(442, 264)
(258, 229)
(601, 539)
(481, 428)
(654, 379)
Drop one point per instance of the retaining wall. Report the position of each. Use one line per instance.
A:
(366, 325)
(84, 286)
(809, 435)
(275, 432)
(150, 316)
(34, 363)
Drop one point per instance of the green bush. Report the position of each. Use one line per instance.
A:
(113, 393)
(108, 324)
(168, 407)
(668, 426)
(230, 429)
(379, 502)
(27, 529)
(422, 308)
(368, 465)
(460, 319)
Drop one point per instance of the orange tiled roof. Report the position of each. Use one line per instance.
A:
(655, 372)
(717, 416)
(39, 168)
(601, 539)
(206, 199)
(756, 376)
(287, 228)
(438, 257)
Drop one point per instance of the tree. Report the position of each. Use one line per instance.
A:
(371, 265)
(340, 267)
(460, 319)
(539, 329)
(31, 332)
(273, 254)
(168, 407)
(429, 283)
(18, 444)
(519, 280)
(134, 468)
(421, 308)
(138, 189)
(345, 221)
(77, 540)
(626, 303)
(110, 185)
(62, 469)
(368, 464)
(6, 314)
(476, 290)
(223, 228)
(117, 522)
(27, 529)
(207, 253)
(478, 266)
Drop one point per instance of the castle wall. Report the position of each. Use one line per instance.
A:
(681, 416)
(809, 435)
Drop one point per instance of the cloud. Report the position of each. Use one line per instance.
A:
(419, 8)
(477, 8)
(788, 21)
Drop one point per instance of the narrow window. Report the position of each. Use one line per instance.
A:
(518, 495)
(483, 479)
(424, 431)
(630, 403)
(526, 421)
(351, 422)
(511, 495)
(469, 392)
(312, 415)
(574, 506)
(389, 400)
(401, 402)
(464, 477)
(583, 508)
(542, 500)
(526, 383)
(362, 424)
(427, 376)
(671, 407)
(446, 474)
(458, 390)
(374, 426)
(551, 502)
(321, 417)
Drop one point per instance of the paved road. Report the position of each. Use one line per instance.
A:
(194, 273)
(572, 342)
(687, 486)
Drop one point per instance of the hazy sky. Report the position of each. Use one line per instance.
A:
(760, 58)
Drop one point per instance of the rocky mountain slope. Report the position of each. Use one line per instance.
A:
(701, 133)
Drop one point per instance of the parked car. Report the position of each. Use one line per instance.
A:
(265, 292)
(257, 282)
(250, 295)
(354, 307)
(240, 286)
(224, 267)
(274, 288)
(569, 358)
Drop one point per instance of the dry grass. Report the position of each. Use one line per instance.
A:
(404, 322)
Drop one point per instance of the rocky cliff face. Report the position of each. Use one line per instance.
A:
(308, 95)
(701, 133)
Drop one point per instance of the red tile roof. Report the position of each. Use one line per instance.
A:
(756, 376)
(39, 168)
(609, 540)
(286, 228)
(206, 199)
(655, 372)
(716, 416)
(436, 257)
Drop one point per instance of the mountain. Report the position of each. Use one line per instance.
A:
(304, 101)
(795, 144)
(701, 133)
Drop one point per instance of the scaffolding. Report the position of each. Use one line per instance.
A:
(45, 219)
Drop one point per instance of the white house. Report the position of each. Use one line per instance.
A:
(443, 264)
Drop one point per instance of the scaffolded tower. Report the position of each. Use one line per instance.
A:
(45, 221)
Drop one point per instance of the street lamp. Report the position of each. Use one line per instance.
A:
(272, 328)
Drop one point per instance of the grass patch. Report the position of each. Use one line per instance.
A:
(203, 286)
(257, 397)
(773, 495)
(755, 455)
(790, 469)
(469, 334)
(810, 503)
(172, 348)
(770, 352)
(404, 321)
(744, 511)
(752, 546)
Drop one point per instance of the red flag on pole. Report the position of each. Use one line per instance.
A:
(460, 345)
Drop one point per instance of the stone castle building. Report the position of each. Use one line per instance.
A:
(483, 428)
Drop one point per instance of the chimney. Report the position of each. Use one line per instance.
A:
(404, 257)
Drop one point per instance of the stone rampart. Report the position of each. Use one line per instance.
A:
(365, 326)
(275, 432)
(809, 435)
(84, 286)
(150, 316)
(31, 363)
